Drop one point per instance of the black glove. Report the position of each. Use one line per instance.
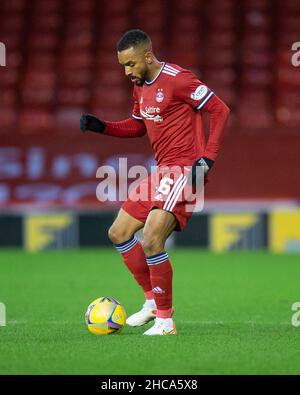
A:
(204, 163)
(91, 123)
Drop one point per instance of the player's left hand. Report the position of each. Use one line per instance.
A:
(205, 164)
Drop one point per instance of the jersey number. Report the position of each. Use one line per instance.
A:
(165, 185)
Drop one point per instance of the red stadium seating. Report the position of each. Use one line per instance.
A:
(62, 57)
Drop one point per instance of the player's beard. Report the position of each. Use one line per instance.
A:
(138, 81)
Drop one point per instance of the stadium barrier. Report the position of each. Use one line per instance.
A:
(277, 230)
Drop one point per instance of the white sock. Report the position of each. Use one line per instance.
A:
(150, 303)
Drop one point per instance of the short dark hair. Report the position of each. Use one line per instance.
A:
(132, 38)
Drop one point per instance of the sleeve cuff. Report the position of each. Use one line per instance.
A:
(205, 100)
(137, 117)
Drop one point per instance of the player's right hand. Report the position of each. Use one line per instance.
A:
(91, 123)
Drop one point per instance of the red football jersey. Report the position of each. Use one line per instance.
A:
(169, 107)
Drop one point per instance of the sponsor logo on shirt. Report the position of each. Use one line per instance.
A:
(152, 110)
(200, 92)
(151, 114)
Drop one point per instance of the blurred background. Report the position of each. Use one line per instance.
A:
(61, 61)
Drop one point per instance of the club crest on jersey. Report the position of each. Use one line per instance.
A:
(200, 92)
(160, 95)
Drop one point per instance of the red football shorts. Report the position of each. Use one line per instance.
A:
(166, 189)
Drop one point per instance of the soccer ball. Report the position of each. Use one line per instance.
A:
(105, 316)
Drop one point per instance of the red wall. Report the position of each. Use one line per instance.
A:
(249, 166)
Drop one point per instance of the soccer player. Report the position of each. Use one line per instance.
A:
(168, 101)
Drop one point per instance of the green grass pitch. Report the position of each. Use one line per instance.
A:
(232, 311)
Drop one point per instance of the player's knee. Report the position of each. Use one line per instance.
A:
(152, 245)
(117, 235)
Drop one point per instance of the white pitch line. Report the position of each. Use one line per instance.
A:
(15, 322)
(253, 323)
(236, 323)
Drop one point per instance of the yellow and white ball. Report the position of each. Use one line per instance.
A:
(105, 316)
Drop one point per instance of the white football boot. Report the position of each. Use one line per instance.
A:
(162, 326)
(146, 314)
